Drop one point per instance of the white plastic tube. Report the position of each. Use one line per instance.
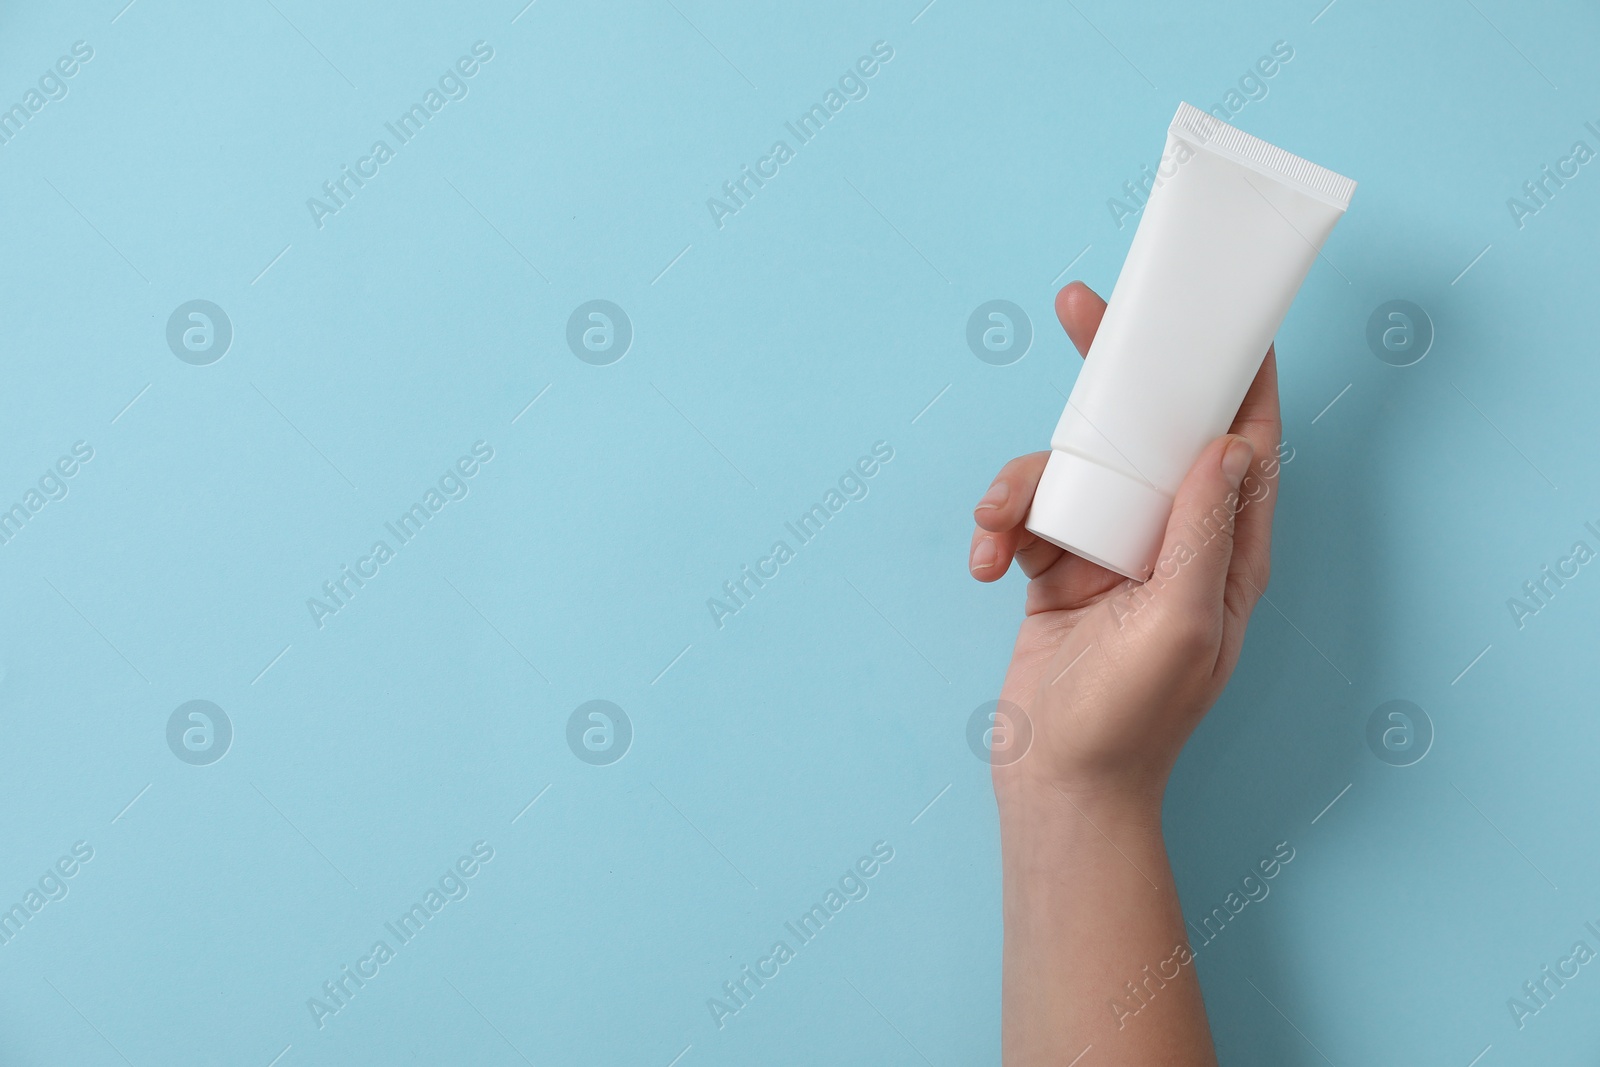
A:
(1230, 229)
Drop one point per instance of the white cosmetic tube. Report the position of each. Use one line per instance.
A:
(1230, 229)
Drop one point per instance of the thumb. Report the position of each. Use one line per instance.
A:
(1193, 565)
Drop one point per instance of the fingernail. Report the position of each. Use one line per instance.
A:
(983, 554)
(996, 497)
(1236, 460)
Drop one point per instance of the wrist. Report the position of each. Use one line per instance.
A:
(1129, 802)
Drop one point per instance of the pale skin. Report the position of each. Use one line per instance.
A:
(1113, 676)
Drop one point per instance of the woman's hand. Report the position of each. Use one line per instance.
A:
(1112, 675)
(1107, 681)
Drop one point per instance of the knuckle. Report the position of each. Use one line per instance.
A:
(1210, 532)
(1257, 571)
(1192, 633)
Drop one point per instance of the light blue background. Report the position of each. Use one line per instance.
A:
(768, 355)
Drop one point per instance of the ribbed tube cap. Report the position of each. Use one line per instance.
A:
(1100, 514)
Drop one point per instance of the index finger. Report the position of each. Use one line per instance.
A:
(1080, 309)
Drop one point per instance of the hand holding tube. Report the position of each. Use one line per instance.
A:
(1113, 676)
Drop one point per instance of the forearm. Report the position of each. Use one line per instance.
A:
(1096, 951)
